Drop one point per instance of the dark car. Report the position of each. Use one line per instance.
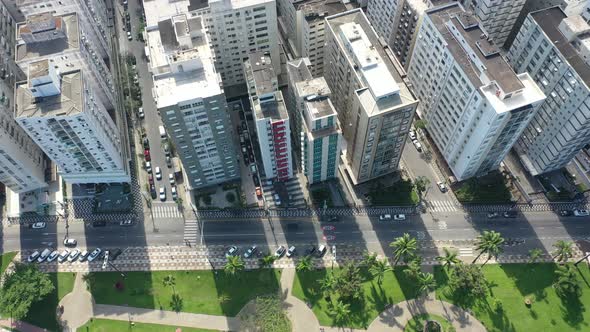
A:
(99, 223)
(256, 181)
(153, 192)
(114, 254)
(565, 213)
(510, 214)
(310, 250)
(146, 143)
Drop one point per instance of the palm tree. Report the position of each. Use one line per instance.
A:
(403, 247)
(414, 268)
(490, 243)
(340, 311)
(369, 259)
(426, 283)
(328, 283)
(566, 282)
(535, 255)
(234, 265)
(450, 258)
(267, 261)
(304, 264)
(563, 250)
(170, 281)
(379, 268)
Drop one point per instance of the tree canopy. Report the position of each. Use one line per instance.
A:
(23, 286)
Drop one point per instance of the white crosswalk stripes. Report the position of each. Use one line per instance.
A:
(443, 206)
(167, 211)
(191, 231)
(465, 252)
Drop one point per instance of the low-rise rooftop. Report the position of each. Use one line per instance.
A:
(273, 109)
(317, 10)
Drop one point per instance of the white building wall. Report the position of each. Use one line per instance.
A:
(498, 16)
(381, 15)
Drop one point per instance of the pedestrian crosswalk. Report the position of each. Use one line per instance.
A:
(465, 252)
(191, 231)
(443, 206)
(167, 211)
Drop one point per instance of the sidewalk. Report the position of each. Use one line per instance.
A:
(302, 317)
(20, 326)
(77, 306)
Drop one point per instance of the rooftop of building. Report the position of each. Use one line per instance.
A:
(317, 10)
(262, 72)
(549, 20)
(274, 109)
(372, 64)
(298, 70)
(451, 19)
(319, 107)
(68, 23)
(68, 102)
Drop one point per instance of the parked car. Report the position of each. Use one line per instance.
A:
(148, 167)
(63, 256)
(385, 217)
(310, 250)
(171, 179)
(258, 192)
(126, 222)
(174, 193)
(158, 173)
(291, 251)
(70, 242)
(83, 256)
(493, 215)
(442, 187)
(94, 254)
(251, 251)
(417, 145)
(38, 225)
(140, 113)
(167, 149)
(73, 255)
(129, 36)
(162, 193)
(412, 135)
(146, 143)
(280, 252)
(399, 217)
(321, 250)
(33, 257)
(581, 213)
(232, 251)
(565, 213)
(153, 192)
(150, 179)
(116, 253)
(44, 254)
(52, 256)
(146, 155)
(510, 214)
(105, 259)
(168, 162)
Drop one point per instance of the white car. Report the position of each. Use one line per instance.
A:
(412, 135)
(106, 260)
(93, 255)
(43, 255)
(73, 255)
(70, 242)
(417, 145)
(38, 225)
(174, 193)
(83, 256)
(63, 256)
(250, 252)
(442, 187)
(171, 179)
(129, 35)
(232, 251)
(33, 256)
(126, 222)
(581, 213)
(158, 173)
(291, 251)
(399, 217)
(52, 256)
(140, 113)
(148, 167)
(162, 193)
(385, 217)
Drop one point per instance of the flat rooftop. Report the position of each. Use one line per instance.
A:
(319, 9)
(319, 107)
(548, 20)
(68, 102)
(275, 109)
(259, 64)
(158, 10)
(39, 49)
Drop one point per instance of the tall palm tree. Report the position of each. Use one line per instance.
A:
(267, 260)
(340, 311)
(369, 259)
(379, 268)
(304, 264)
(170, 281)
(450, 258)
(414, 268)
(403, 247)
(490, 243)
(234, 265)
(563, 250)
(328, 283)
(534, 255)
(426, 283)
(566, 282)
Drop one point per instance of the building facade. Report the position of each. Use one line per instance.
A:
(476, 107)
(497, 17)
(61, 113)
(271, 119)
(555, 50)
(374, 105)
(191, 100)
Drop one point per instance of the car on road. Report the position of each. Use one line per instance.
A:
(148, 167)
(168, 162)
(99, 223)
(291, 251)
(417, 145)
(232, 251)
(162, 193)
(171, 179)
(116, 253)
(43, 256)
(251, 251)
(442, 187)
(399, 217)
(510, 214)
(126, 222)
(153, 192)
(129, 35)
(70, 242)
(63, 256)
(146, 143)
(52, 256)
(565, 213)
(33, 256)
(83, 256)
(38, 225)
(333, 219)
(412, 135)
(258, 192)
(150, 179)
(493, 215)
(158, 173)
(106, 259)
(140, 113)
(167, 150)
(94, 254)
(385, 217)
(310, 250)
(174, 193)
(321, 250)
(73, 255)
(146, 155)
(280, 252)
(581, 213)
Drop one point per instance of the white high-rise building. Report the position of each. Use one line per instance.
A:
(235, 28)
(270, 117)
(374, 105)
(190, 98)
(555, 50)
(92, 16)
(475, 106)
(320, 137)
(497, 16)
(381, 14)
(61, 113)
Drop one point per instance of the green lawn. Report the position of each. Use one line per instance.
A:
(107, 325)
(511, 284)
(201, 291)
(401, 193)
(416, 324)
(42, 313)
(395, 288)
(491, 188)
(5, 259)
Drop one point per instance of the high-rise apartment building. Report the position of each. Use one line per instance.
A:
(381, 14)
(270, 116)
(61, 113)
(319, 133)
(301, 23)
(191, 101)
(496, 16)
(555, 50)
(374, 105)
(92, 16)
(63, 41)
(8, 20)
(475, 106)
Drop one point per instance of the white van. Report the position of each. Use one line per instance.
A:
(162, 131)
(43, 256)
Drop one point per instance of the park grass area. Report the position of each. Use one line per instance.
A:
(491, 188)
(401, 193)
(42, 313)
(395, 288)
(416, 324)
(202, 292)
(109, 325)
(511, 284)
(5, 260)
